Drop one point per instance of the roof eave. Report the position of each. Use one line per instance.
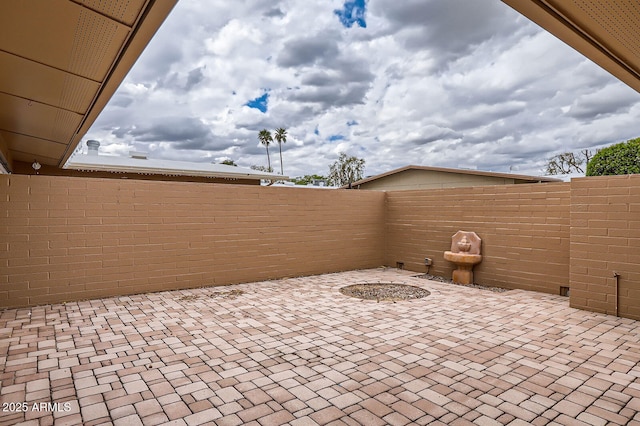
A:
(149, 23)
(579, 38)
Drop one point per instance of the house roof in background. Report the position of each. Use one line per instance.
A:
(526, 178)
(138, 163)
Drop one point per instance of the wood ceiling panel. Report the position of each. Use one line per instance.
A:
(23, 116)
(78, 93)
(63, 35)
(97, 41)
(32, 80)
(606, 32)
(153, 16)
(124, 11)
(60, 62)
(612, 25)
(27, 148)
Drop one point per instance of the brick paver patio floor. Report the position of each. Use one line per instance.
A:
(296, 351)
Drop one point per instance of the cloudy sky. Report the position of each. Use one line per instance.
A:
(449, 83)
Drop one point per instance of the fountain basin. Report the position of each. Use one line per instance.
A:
(462, 258)
(463, 274)
(465, 253)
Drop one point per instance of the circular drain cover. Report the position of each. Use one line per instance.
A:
(384, 291)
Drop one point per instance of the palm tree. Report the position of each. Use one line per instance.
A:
(265, 139)
(281, 137)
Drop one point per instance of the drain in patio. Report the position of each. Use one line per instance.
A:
(384, 291)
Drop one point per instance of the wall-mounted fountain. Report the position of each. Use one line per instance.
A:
(465, 253)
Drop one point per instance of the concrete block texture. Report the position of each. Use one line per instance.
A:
(605, 244)
(71, 238)
(524, 231)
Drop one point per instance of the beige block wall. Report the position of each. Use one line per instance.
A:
(524, 231)
(66, 238)
(605, 239)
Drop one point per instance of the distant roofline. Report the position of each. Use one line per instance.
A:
(457, 171)
(118, 164)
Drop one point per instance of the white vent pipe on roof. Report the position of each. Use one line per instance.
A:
(92, 147)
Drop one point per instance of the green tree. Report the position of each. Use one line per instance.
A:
(229, 162)
(281, 137)
(265, 139)
(261, 168)
(620, 159)
(307, 179)
(345, 170)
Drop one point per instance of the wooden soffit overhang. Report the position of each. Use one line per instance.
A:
(60, 63)
(605, 31)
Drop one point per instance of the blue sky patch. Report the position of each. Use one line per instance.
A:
(334, 138)
(259, 103)
(352, 13)
(316, 131)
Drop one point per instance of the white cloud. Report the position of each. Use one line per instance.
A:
(235, 37)
(435, 82)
